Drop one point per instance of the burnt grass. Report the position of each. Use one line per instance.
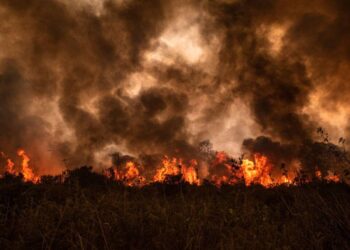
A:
(90, 212)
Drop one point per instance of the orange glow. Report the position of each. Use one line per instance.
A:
(332, 177)
(176, 167)
(168, 168)
(132, 175)
(190, 173)
(129, 174)
(257, 171)
(318, 174)
(284, 180)
(10, 167)
(27, 172)
(222, 170)
(224, 173)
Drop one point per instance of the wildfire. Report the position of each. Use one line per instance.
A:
(129, 174)
(330, 177)
(25, 170)
(259, 172)
(222, 170)
(10, 167)
(176, 167)
(168, 168)
(190, 173)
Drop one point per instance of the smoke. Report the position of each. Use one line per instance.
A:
(158, 77)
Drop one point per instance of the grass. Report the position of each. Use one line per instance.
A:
(161, 216)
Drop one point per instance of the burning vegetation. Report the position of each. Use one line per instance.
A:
(214, 167)
(191, 94)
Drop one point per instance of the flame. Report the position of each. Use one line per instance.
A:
(318, 174)
(129, 174)
(27, 172)
(132, 176)
(10, 167)
(169, 167)
(330, 177)
(132, 171)
(224, 173)
(176, 167)
(259, 172)
(190, 173)
(284, 180)
(222, 170)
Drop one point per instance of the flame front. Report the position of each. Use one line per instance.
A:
(222, 170)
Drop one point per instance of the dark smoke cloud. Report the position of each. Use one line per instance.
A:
(65, 68)
(75, 55)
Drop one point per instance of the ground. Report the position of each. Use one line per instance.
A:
(99, 215)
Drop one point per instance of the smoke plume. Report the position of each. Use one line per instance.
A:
(80, 81)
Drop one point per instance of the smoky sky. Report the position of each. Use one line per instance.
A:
(158, 77)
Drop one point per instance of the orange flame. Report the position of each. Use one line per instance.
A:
(129, 174)
(168, 168)
(222, 170)
(132, 176)
(225, 175)
(190, 173)
(27, 172)
(259, 172)
(330, 177)
(176, 167)
(10, 167)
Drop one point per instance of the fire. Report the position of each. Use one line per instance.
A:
(221, 170)
(27, 172)
(176, 167)
(132, 171)
(129, 174)
(285, 180)
(318, 174)
(10, 167)
(257, 172)
(132, 175)
(190, 173)
(330, 177)
(169, 167)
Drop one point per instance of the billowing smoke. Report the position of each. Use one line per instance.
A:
(82, 80)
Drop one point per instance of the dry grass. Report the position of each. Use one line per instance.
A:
(110, 216)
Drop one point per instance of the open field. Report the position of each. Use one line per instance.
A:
(99, 215)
